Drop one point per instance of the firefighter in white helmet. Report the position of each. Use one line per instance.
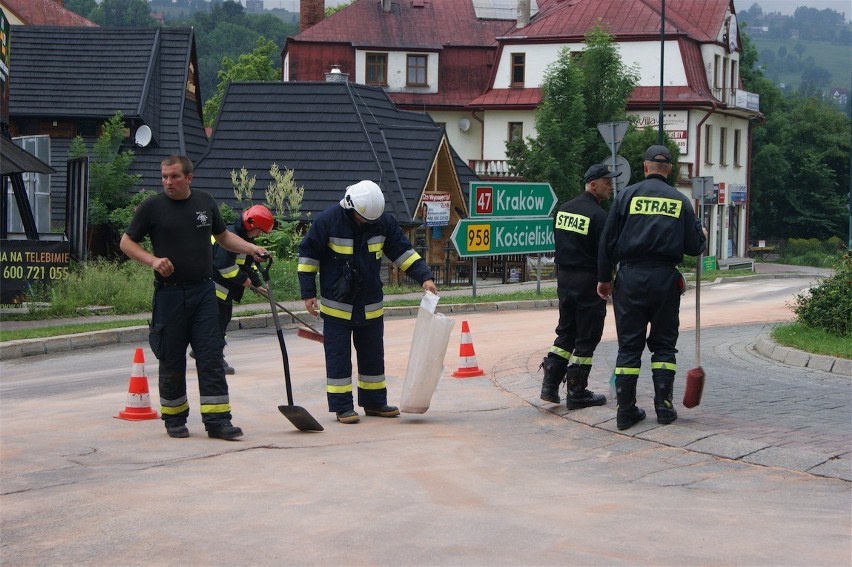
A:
(345, 245)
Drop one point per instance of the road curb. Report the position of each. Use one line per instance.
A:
(787, 355)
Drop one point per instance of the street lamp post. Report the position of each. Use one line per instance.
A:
(662, 69)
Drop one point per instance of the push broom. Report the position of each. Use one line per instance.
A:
(695, 377)
(309, 333)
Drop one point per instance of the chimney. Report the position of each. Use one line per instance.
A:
(311, 12)
(523, 13)
(386, 5)
(336, 75)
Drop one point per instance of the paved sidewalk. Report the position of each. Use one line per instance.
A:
(754, 409)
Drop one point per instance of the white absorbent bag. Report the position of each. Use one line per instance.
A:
(426, 359)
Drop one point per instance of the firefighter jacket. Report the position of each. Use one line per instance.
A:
(348, 258)
(578, 227)
(231, 270)
(649, 222)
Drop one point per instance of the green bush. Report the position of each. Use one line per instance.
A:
(813, 252)
(828, 306)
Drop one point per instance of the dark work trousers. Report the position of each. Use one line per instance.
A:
(184, 314)
(370, 355)
(226, 312)
(581, 315)
(646, 293)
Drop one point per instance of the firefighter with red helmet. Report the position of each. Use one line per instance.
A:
(345, 245)
(233, 273)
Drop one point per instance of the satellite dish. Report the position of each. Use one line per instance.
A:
(143, 136)
(464, 124)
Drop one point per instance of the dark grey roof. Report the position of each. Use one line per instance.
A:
(330, 134)
(14, 159)
(80, 72)
(90, 73)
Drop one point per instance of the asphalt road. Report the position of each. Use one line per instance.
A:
(489, 475)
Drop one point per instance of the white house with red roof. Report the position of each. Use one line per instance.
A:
(477, 67)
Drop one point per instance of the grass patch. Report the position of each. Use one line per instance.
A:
(70, 329)
(815, 341)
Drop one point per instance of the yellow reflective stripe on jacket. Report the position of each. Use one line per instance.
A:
(664, 366)
(573, 222)
(655, 206)
(336, 309)
(623, 371)
(307, 265)
(229, 272)
(371, 382)
(339, 385)
(342, 245)
(376, 244)
(374, 310)
(221, 291)
(406, 259)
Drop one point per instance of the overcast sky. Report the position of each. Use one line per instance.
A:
(789, 6)
(783, 6)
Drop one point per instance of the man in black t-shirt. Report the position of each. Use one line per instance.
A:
(180, 222)
(578, 227)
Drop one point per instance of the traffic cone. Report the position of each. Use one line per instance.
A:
(138, 399)
(467, 357)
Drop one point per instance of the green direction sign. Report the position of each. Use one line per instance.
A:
(491, 237)
(511, 199)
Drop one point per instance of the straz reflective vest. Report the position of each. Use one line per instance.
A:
(578, 225)
(649, 221)
(231, 270)
(348, 258)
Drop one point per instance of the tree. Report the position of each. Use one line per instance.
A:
(554, 154)
(577, 93)
(82, 7)
(817, 77)
(607, 85)
(255, 66)
(123, 14)
(110, 182)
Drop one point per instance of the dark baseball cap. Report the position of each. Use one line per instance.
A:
(598, 171)
(660, 154)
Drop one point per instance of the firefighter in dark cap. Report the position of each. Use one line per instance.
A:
(578, 227)
(650, 227)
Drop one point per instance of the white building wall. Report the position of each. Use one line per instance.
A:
(397, 67)
(644, 56)
(467, 143)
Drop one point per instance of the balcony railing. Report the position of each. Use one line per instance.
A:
(490, 168)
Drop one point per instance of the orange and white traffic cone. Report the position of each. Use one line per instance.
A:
(467, 357)
(138, 398)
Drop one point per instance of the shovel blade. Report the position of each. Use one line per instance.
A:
(300, 417)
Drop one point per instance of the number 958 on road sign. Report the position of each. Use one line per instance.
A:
(479, 237)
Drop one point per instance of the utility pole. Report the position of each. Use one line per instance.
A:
(662, 69)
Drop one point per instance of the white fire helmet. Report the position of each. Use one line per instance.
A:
(366, 198)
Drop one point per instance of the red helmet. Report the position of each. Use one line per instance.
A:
(260, 217)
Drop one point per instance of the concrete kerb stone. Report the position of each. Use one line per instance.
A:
(842, 366)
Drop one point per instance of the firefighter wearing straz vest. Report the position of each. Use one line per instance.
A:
(233, 273)
(345, 245)
(578, 227)
(649, 228)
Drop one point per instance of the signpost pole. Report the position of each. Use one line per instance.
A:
(473, 279)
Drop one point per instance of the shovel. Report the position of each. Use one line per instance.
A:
(298, 416)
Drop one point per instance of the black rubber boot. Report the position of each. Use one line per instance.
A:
(577, 378)
(177, 428)
(628, 414)
(554, 374)
(663, 392)
(223, 430)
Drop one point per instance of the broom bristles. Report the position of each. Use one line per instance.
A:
(694, 387)
(310, 335)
